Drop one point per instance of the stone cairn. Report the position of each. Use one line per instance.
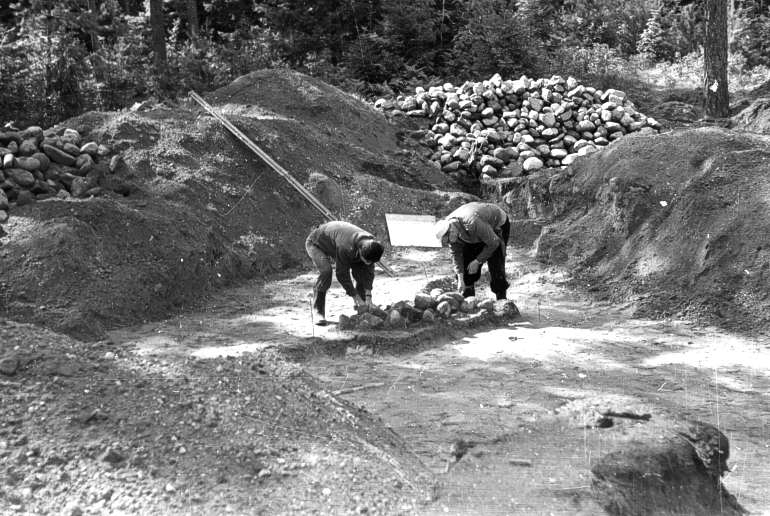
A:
(506, 128)
(428, 308)
(37, 164)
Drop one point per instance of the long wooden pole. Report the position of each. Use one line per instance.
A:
(312, 199)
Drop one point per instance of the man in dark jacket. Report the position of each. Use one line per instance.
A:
(477, 232)
(352, 250)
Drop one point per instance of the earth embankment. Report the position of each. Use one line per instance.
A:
(188, 208)
(676, 222)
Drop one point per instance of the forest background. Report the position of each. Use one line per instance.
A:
(60, 58)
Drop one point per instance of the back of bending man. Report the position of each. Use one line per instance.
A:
(477, 232)
(351, 249)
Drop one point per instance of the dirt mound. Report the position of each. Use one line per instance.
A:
(763, 90)
(755, 117)
(289, 96)
(189, 208)
(317, 127)
(97, 428)
(677, 222)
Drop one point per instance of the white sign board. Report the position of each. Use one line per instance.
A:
(411, 230)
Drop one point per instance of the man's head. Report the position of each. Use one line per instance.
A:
(442, 231)
(371, 251)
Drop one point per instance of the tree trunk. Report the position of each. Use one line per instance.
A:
(716, 98)
(192, 20)
(158, 29)
(92, 11)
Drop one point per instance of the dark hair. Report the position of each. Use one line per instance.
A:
(371, 250)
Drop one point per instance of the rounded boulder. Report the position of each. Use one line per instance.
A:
(468, 305)
(423, 301)
(444, 309)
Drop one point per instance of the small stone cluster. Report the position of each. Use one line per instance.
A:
(506, 128)
(426, 308)
(37, 164)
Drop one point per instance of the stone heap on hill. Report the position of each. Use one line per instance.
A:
(37, 164)
(428, 308)
(504, 128)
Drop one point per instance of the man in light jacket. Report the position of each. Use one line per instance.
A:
(477, 232)
(351, 249)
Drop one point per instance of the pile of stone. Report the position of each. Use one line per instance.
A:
(427, 308)
(37, 164)
(505, 128)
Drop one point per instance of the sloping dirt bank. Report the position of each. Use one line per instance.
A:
(677, 222)
(97, 429)
(189, 208)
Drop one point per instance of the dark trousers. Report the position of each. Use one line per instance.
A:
(496, 265)
(323, 263)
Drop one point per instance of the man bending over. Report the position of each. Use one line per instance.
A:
(477, 232)
(352, 250)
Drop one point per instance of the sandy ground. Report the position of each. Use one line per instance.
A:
(522, 394)
(525, 394)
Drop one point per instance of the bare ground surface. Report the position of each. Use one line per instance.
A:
(229, 406)
(526, 394)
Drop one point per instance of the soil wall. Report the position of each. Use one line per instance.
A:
(677, 222)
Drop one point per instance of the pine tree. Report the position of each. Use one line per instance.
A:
(651, 38)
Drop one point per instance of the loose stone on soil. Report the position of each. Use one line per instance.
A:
(39, 168)
(434, 293)
(451, 299)
(501, 128)
(444, 309)
(468, 305)
(394, 318)
(345, 323)
(9, 365)
(59, 156)
(423, 301)
(439, 303)
(112, 456)
(486, 304)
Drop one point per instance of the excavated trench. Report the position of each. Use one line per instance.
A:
(513, 417)
(535, 415)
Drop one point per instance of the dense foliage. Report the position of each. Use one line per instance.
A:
(59, 57)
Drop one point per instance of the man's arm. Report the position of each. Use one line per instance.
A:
(367, 280)
(486, 234)
(456, 248)
(343, 276)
